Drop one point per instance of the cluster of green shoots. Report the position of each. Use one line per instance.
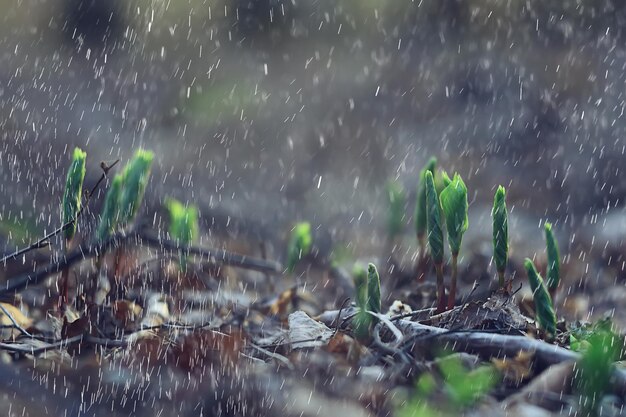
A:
(124, 197)
(443, 204)
(437, 207)
(121, 202)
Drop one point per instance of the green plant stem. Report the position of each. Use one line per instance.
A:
(421, 259)
(452, 296)
(441, 290)
(501, 278)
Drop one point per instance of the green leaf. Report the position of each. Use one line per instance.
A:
(110, 211)
(453, 200)
(397, 203)
(136, 174)
(373, 289)
(183, 226)
(552, 275)
(543, 303)
(299, 244)
(73, 191)
(594, 369)
(500, 230)
(420, 208)
(433, 220)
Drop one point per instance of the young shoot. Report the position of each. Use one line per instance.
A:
(397, 203)
(110, 211)
(136, 174)
(552, 275)
(500, 233)
(420, 208)
(453, 200)
(362, 321)
(73, 192)
(373, 289)
(544, 310)
(299, 244)
(183, 227)
(435, 237)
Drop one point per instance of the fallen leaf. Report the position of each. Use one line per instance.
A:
(126, 313)
(17, 315)
(203, 348)
(304, 332)
(515, 370)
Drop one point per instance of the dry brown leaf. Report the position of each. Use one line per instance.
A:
(281, 305)
(126, 313)
(346, 346)
(515, 370)
(198, 350)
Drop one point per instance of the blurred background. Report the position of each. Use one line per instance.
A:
(267, 112)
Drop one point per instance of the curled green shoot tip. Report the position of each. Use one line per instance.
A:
(500, 233)
(397, 203)
(552, 275)
(300, 244)
(110, 211)
(183, 226)
(420, 208)
(454, 205)
(73, 192)
(373, 289)
(136, 174)
(544, 310)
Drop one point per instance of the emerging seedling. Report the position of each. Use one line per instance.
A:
(136, 174)
(435, 237)
(183, 227)
(71, 208)
(73, 192)
(110, 211)
(552, 275)
(299, 244)
(362, 321)
(397, 202)
(544, 310)
(500, 233)
(420, 208)
(453, 200)
(373, 289)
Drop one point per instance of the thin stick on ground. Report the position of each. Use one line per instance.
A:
(79, 254)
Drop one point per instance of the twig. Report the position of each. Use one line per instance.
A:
(45, 241)
(15, 323)
(82, 253)
(385, 320)
(273, 355)
(488, 345)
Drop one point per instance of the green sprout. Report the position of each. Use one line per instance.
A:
(435, 236)
(73, 192)
(183, 226)
(500, 233)
(373, 289)
(552, 275)
(397, 203)
(420, 208)
(544, 310)
(110, 211)
(593, 378)
(453, 200)
(299, 244)
(136, 174)
(362, 320)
